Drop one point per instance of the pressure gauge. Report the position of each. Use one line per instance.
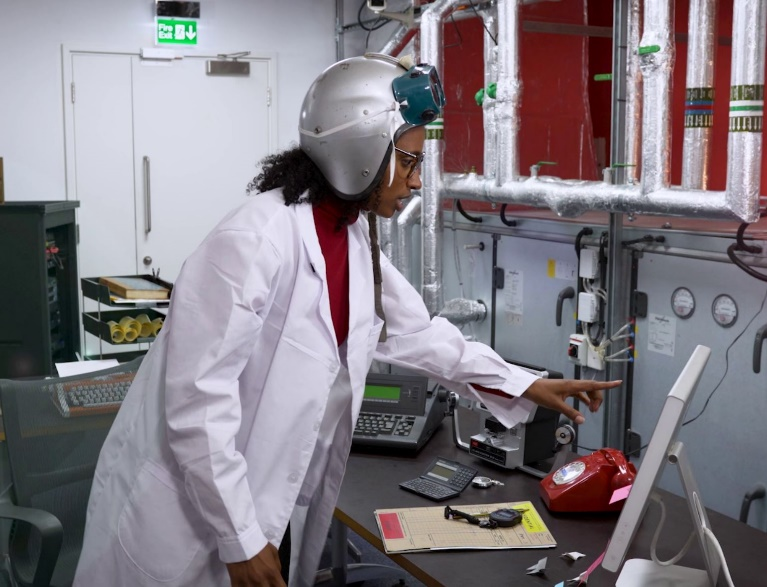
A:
(683, 302)
(725, 310)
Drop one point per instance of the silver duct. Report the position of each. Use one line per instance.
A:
(699, 94)
(398, 40)
(409, 216)
(431, 217)
(633, 94)
(508, 91)
(385, 240)
(744, 144)
(656, 60)
(489, 120)
(460, 311)
(571, 198)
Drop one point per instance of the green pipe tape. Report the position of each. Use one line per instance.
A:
(649, 49)
(603, 77)
(479, 97)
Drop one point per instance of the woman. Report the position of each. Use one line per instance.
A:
(241, 417)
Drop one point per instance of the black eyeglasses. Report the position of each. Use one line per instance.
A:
(415, 165)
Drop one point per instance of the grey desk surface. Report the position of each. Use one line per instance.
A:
(372, 480)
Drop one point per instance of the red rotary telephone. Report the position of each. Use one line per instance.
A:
(587, 484)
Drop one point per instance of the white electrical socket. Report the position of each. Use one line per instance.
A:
(588, 307)
(580, 352)
(588, 267)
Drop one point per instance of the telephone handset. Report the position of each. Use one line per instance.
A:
(587, 484)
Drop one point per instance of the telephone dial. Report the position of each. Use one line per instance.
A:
(587, 484)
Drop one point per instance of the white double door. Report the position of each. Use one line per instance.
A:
(158, 153)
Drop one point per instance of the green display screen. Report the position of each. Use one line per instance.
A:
(382, 392)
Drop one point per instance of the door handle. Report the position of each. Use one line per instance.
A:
(147, 197)
(565, 294)
(758, 348)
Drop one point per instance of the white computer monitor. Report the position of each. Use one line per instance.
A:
(664, 447)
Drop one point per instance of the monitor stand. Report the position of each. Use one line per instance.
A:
(646, 573)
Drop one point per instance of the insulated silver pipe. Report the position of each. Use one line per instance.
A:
(571, 198)
(489, 120)
(431, 175)
(656, 60)
(398, 40)
(385, 240)
(508, 92)
(633, 94)
(461, 311)
(699, 94)
(407, 218)
(744, 144)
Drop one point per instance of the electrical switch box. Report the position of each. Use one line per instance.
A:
(588, 307)
(580, 353)
(588, 267)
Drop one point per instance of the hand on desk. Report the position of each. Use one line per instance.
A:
(263, 570)
(552, 393)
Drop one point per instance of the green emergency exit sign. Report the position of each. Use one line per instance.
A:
(172, 31)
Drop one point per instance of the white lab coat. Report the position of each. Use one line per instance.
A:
(206, 458)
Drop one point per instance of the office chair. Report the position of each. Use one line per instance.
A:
(52, 455)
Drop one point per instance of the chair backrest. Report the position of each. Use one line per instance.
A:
(53, 455)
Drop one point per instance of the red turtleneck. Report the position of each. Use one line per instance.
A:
(334, 243)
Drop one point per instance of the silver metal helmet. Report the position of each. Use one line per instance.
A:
(350, 120)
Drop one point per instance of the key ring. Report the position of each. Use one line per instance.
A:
(484, 482)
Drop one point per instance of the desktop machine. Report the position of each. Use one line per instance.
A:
(398, 413)
(521, 447)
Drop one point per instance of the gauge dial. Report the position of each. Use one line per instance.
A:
(683, 302)
(569, 472)
(725, 310)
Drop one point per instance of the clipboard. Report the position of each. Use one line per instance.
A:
(425, 528)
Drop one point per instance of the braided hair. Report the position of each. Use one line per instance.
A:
(302, 182)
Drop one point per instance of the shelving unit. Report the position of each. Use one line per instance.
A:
(38, 287)
(97, 322)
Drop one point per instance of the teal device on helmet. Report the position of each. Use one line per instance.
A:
(355, 111)
(420, 94)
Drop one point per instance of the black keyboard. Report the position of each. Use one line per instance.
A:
(373, 424)
(91, 396)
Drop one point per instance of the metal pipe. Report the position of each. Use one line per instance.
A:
(460, 311)
(571, 198)
(399, 40)
(431, 219)
(656, 60)
(617, 405)
(633, 94)
(489, 120)
(508, 91)
(385, 240)
(699, 94)
(407, 218)
(744, 144)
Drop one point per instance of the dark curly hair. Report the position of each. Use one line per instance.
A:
(296, 174)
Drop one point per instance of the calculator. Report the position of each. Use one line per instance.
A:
(442, 480)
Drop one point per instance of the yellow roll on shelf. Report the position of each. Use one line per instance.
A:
(131, 327)
(147, 328)
(157, 325)
(116, 332)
